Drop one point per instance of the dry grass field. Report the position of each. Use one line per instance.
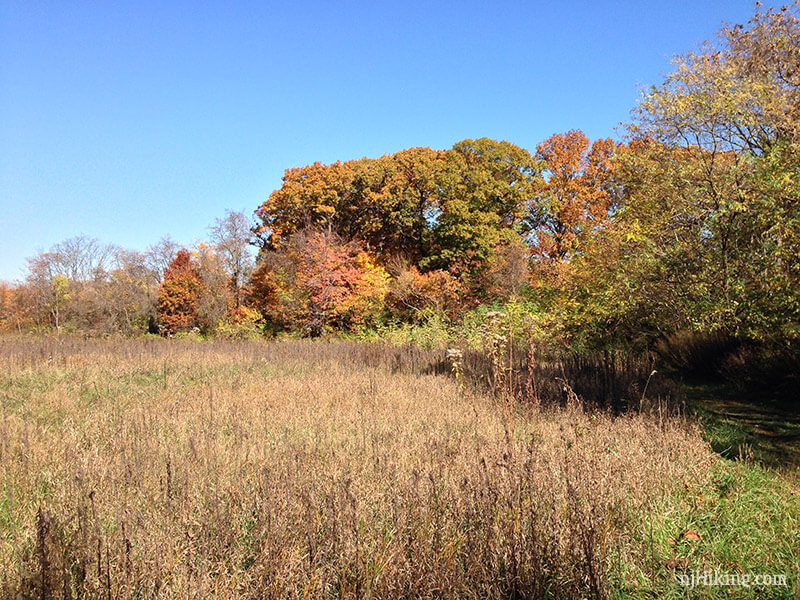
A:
(179, 469)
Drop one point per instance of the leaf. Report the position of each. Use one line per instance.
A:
(691, 535)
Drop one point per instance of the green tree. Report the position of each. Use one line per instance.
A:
(710, 225)
(482, 203)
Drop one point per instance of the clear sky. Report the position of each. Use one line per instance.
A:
(127, 121)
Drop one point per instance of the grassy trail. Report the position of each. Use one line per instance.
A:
(747, 422)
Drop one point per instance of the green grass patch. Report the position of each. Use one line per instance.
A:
(745, 520)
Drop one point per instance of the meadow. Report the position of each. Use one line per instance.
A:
(156, 468)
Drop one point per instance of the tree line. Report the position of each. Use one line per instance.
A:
(691, 223)
(81, 284)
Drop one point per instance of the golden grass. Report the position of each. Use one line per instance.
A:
(139, 469)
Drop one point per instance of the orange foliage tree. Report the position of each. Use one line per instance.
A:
(575, 199)
(6, 305)
(413, 295)
(178, 295)
(309, 197)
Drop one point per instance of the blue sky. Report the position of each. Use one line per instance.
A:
(127, 121)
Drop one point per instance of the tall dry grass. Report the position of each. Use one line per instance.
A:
(154, 468)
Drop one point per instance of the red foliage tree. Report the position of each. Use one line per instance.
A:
(316, 282)
(342, 282)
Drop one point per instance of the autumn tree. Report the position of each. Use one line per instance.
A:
(178, 295)
(342, 283)
(391, 200)
(318, 282)
(574, 199)
(310, 196)
(18, 307)
(7, 305)
(414, 296)
(215, 298)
